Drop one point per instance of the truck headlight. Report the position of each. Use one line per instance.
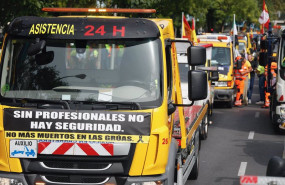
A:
(282, 112)
(153, 183)
(8, 181)
(149, 183)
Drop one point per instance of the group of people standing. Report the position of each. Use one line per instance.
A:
(245, 76)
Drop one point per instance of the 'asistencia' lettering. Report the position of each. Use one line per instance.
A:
(64, 29)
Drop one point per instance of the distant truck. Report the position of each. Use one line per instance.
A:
(98, 94)
(223, 59)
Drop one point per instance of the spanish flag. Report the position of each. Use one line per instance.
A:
(186, 29)
(194, 36)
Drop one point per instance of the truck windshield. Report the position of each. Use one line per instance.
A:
(98, 71)
(282, 59)
(241, 47)
(221, 56)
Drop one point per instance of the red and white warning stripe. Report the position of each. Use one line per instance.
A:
(261, 180)
(90, 149)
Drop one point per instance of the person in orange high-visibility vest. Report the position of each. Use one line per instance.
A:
(272, 83)
(240, 76)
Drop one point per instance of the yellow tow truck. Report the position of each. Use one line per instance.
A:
(223, 59)
(244, 44)
(91, 100)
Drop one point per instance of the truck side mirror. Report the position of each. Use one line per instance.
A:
(264, 44)
(36, 48)
(171, 108)
(196, 55)
(44, 58)
(276, 167)
(197, 85)
(214, 76)
(263, 58)
(1, 37)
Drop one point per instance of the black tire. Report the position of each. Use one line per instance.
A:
(211, 106)
(195, 170)
(273, 105)
(230, 104)
(205, 126)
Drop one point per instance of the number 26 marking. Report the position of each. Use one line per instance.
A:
(164, 141)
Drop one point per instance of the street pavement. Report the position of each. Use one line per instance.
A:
(240, 142)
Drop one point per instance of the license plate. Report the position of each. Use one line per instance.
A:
(20, 148)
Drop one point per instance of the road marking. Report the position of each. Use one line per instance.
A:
(257, 114)
(251, 135)
(242, 168)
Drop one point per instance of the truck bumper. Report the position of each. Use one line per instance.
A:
(76, 179)
(223, 95)
(32, 179)
(279, 116)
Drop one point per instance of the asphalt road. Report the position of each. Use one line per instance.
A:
(240, 142)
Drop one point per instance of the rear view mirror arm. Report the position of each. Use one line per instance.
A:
(210, 69)
(169, 41)
(185, 105)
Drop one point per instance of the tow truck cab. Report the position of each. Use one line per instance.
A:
(222, 57)
(244, 43)
(242, 46)
(94, 97)
(190, 112)
(277, 102)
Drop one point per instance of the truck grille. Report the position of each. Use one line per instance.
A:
(79, 165)
(75, 165)
(75, 179)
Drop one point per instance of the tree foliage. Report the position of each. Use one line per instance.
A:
(215, 14)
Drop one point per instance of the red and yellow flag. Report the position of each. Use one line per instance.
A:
(264, 17)
(186, 29)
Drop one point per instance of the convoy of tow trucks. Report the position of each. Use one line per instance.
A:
(113, 100)
(99, 100)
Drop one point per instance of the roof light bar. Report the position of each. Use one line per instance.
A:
(222, 38)
(98, 10)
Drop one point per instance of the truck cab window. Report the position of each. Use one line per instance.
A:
(169, 71)
(113, 70)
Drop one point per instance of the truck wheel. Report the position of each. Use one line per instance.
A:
(272, 107)
(230, 104)
(194, 173)
(205, 125)
(210, 113)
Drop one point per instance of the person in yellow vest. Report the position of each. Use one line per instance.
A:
(247, 80)
(240, 76)
(260, 73)
(254, 63)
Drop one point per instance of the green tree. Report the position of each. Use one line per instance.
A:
(14, 8)
(211, 13)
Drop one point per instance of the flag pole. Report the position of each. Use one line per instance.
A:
(263, 11)
(234, 39)
(182, 25)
